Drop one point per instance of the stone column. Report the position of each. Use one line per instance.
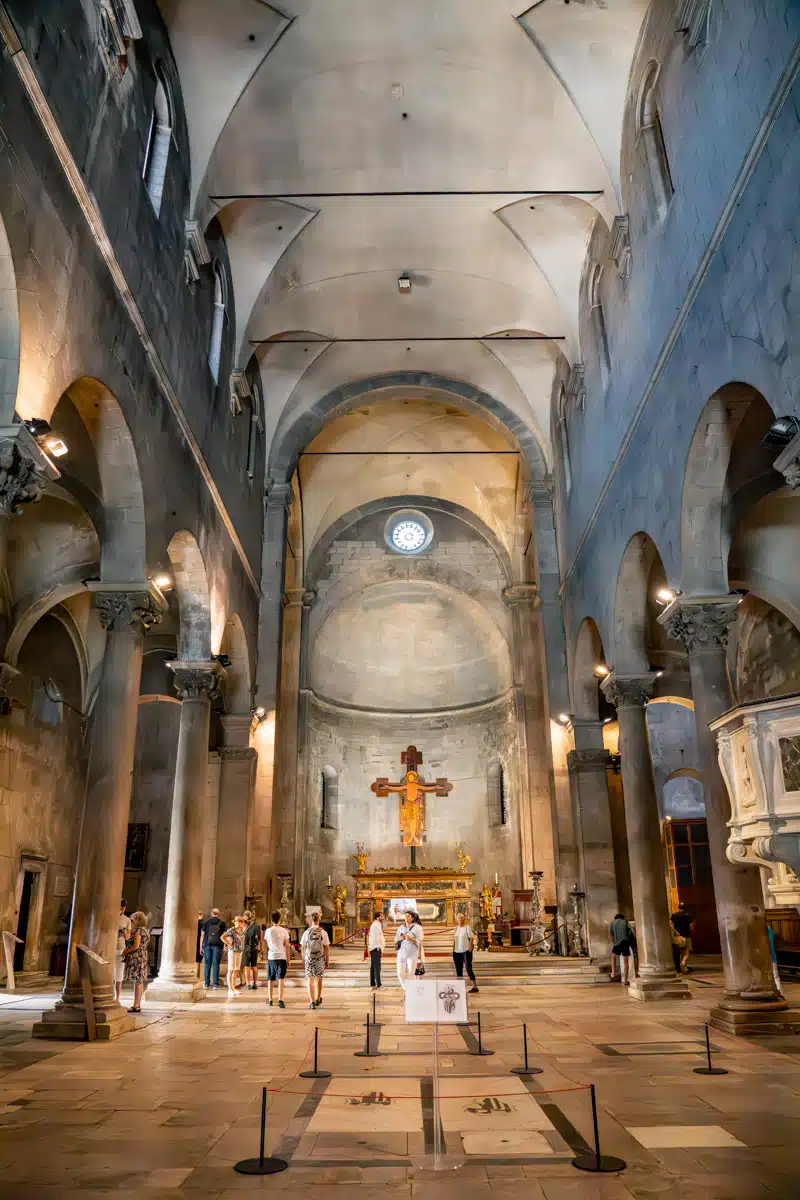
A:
(657, 978)
(284, 810)
(751, 1002)
(589, 787)
(303, 791)
(126, 612)
(196, 683)
(536, 807)
(236, 785)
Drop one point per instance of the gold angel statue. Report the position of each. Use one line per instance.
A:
(339, 899)
(463, 859)
(361, 857)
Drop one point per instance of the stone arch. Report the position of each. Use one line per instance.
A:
(707, 515)
(9, 331)
(194, 604)
(238, 685)
(685, 772)
(585, 684)
(299, 431)
(114, 472)
(633, 605)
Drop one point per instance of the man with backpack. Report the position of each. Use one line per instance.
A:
(316, 947)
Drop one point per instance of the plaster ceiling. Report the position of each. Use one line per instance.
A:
(373, 96)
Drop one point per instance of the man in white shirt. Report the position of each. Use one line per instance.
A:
(279, 951)
(376, 944)
(463, 942)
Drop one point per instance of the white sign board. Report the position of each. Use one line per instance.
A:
(436, 1001)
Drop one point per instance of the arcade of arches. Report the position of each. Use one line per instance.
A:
(402, 388)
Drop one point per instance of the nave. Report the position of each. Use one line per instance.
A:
(169, 1109)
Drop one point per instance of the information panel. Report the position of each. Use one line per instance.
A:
(436, 1001)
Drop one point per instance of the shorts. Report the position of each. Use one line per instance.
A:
(623, 948)
(250, 956)
(276, 969)
(234, 960)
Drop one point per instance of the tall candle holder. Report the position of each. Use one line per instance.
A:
(285, 902)
(539, 943)
(577, 946)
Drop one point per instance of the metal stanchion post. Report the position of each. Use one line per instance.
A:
(367, 1052)
(480, 1051)
(316, 1073)
(525, 1069)
(261, 1165)
(709, 1070)
(597, 1162)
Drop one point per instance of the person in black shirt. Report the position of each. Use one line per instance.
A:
(252, 945)
(682, 936)
(211, 946)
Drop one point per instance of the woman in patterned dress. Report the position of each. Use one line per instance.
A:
(233, 937)
(137, 968)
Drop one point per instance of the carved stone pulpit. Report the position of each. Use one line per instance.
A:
(759, 756)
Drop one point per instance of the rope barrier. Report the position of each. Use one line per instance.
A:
(581, 1087)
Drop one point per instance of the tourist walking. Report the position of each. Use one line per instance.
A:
(279, 954)
(123, 933)
(316, 947)
(233, 938)
(682, 924)
(623, 942)
(137, 966)
(211, 947)
(409, 941)
(376, 944)
(463, 945)
(252, 949)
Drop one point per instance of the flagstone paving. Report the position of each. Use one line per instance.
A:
(170, 1108)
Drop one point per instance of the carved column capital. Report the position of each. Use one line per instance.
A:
(700, 622)
(522, 594)
(628, 691)
(298, 598)
(24, 469)
(127, 608)
(587, 760)
(196, 680)
(279, 495)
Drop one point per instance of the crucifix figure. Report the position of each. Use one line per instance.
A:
(411, 791)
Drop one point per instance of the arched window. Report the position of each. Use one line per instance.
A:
(563, 437)
(217, 322)
(648, 128)
(328, 798)
(496, 789)
(599, 321)
(158, 144)
(255, 426)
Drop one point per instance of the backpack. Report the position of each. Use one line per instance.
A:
(315, 947)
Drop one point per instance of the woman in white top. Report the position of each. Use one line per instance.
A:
(123, 933)
(409, 948)
(463, 942)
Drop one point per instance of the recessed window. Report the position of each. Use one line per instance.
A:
(158, 144)
(328, 797)
(496, 795)
(217, 323)
(408, 531)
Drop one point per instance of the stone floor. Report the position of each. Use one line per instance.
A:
(170, 1108)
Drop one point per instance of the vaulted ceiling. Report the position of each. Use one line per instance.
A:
(289, 107)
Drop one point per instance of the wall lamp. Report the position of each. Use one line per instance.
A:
(260, 712)
(665, 595)
(601, 670)
(781, 432)
(404, 283)
(163, 582)
(564, 718)
(222, 659)
(41, 431)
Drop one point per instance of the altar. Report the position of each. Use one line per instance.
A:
(437, 894)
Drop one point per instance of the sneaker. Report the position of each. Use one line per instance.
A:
(473, 989)
(281, 1004)
(312, 1005)
(318, 1004)
(269, 1004)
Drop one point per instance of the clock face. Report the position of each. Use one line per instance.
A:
(408, 536)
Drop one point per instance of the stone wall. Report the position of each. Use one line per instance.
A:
(361, 746)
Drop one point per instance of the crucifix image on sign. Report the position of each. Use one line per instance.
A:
(411, 791)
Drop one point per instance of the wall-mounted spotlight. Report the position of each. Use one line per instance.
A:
(260, 712)
(781, 432)
(665, 595)
(222, 659)
(564, 718)
(404, 283)
(601, 670)
(56, 447)
(40, 431)
(163, 582)
(607, 720)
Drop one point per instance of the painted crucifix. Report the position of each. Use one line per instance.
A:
(411, 791)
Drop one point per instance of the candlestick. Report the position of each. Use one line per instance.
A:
(496, 880)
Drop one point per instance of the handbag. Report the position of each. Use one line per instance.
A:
(420, 970)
